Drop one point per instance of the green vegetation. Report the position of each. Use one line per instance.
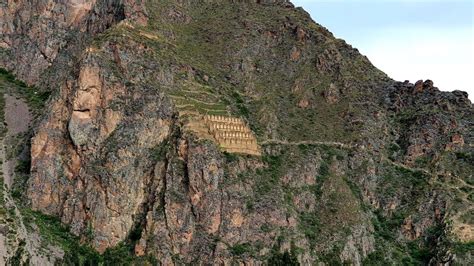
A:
(18, 146)
(287, 258)
(386, 227)
(159, 153)
(283, 259)
(269, 177)
(16, 260)
(320, 179)
(11, 78)
(463, 248)
(405, 184)
(205, 45)
(331, 257)
(56, 233)
(464, 252)
(240, 104)
(241, 249)
(467, 156)
(22, 174)
(231, 157)
(310, 225)
(3, 128)
(35, 98)
(190, 104)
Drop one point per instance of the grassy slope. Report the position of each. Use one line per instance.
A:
(249, 72)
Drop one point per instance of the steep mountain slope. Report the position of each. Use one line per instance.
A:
(354, 167)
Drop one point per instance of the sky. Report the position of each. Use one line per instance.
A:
(407, 39)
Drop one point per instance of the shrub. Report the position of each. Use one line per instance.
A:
(283, 259)
(240, 249)
(310, 226)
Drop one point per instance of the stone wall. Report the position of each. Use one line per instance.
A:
(232, 134)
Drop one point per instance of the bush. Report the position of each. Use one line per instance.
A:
(310, 226)
(231, 157)
(243, 110)
(35, 97)
(159, 152)
(283, 259)
(240, 249)
(375, 258)
(119, 255)
(54, 232)
(466, 156)
(463, 248)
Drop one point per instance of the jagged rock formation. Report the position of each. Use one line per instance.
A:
(354, 167)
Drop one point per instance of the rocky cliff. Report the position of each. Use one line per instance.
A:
(352, 166)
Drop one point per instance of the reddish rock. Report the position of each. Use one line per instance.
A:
(303, 103)
(140, 248)
(295, 54)
(457, 141)
(428, 84)
(418, 86)
(301, 34)
(331, 94)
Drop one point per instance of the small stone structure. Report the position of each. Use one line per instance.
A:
(232, 134)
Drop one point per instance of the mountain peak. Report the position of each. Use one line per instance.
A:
(212, 132)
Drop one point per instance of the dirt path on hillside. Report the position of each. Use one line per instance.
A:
(308, 142)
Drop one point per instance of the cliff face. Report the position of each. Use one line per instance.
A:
(354, 167)
(39, 37)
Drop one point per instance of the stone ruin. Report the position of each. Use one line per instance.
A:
(232, 134)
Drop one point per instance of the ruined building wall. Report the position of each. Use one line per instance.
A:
(232, 134)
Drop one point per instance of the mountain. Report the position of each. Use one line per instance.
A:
(220, 132)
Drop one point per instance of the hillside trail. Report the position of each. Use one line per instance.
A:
(456, 217)
(459, 226)
(462, 182)
(307, 142)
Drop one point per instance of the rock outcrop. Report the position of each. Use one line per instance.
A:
(351, 166)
